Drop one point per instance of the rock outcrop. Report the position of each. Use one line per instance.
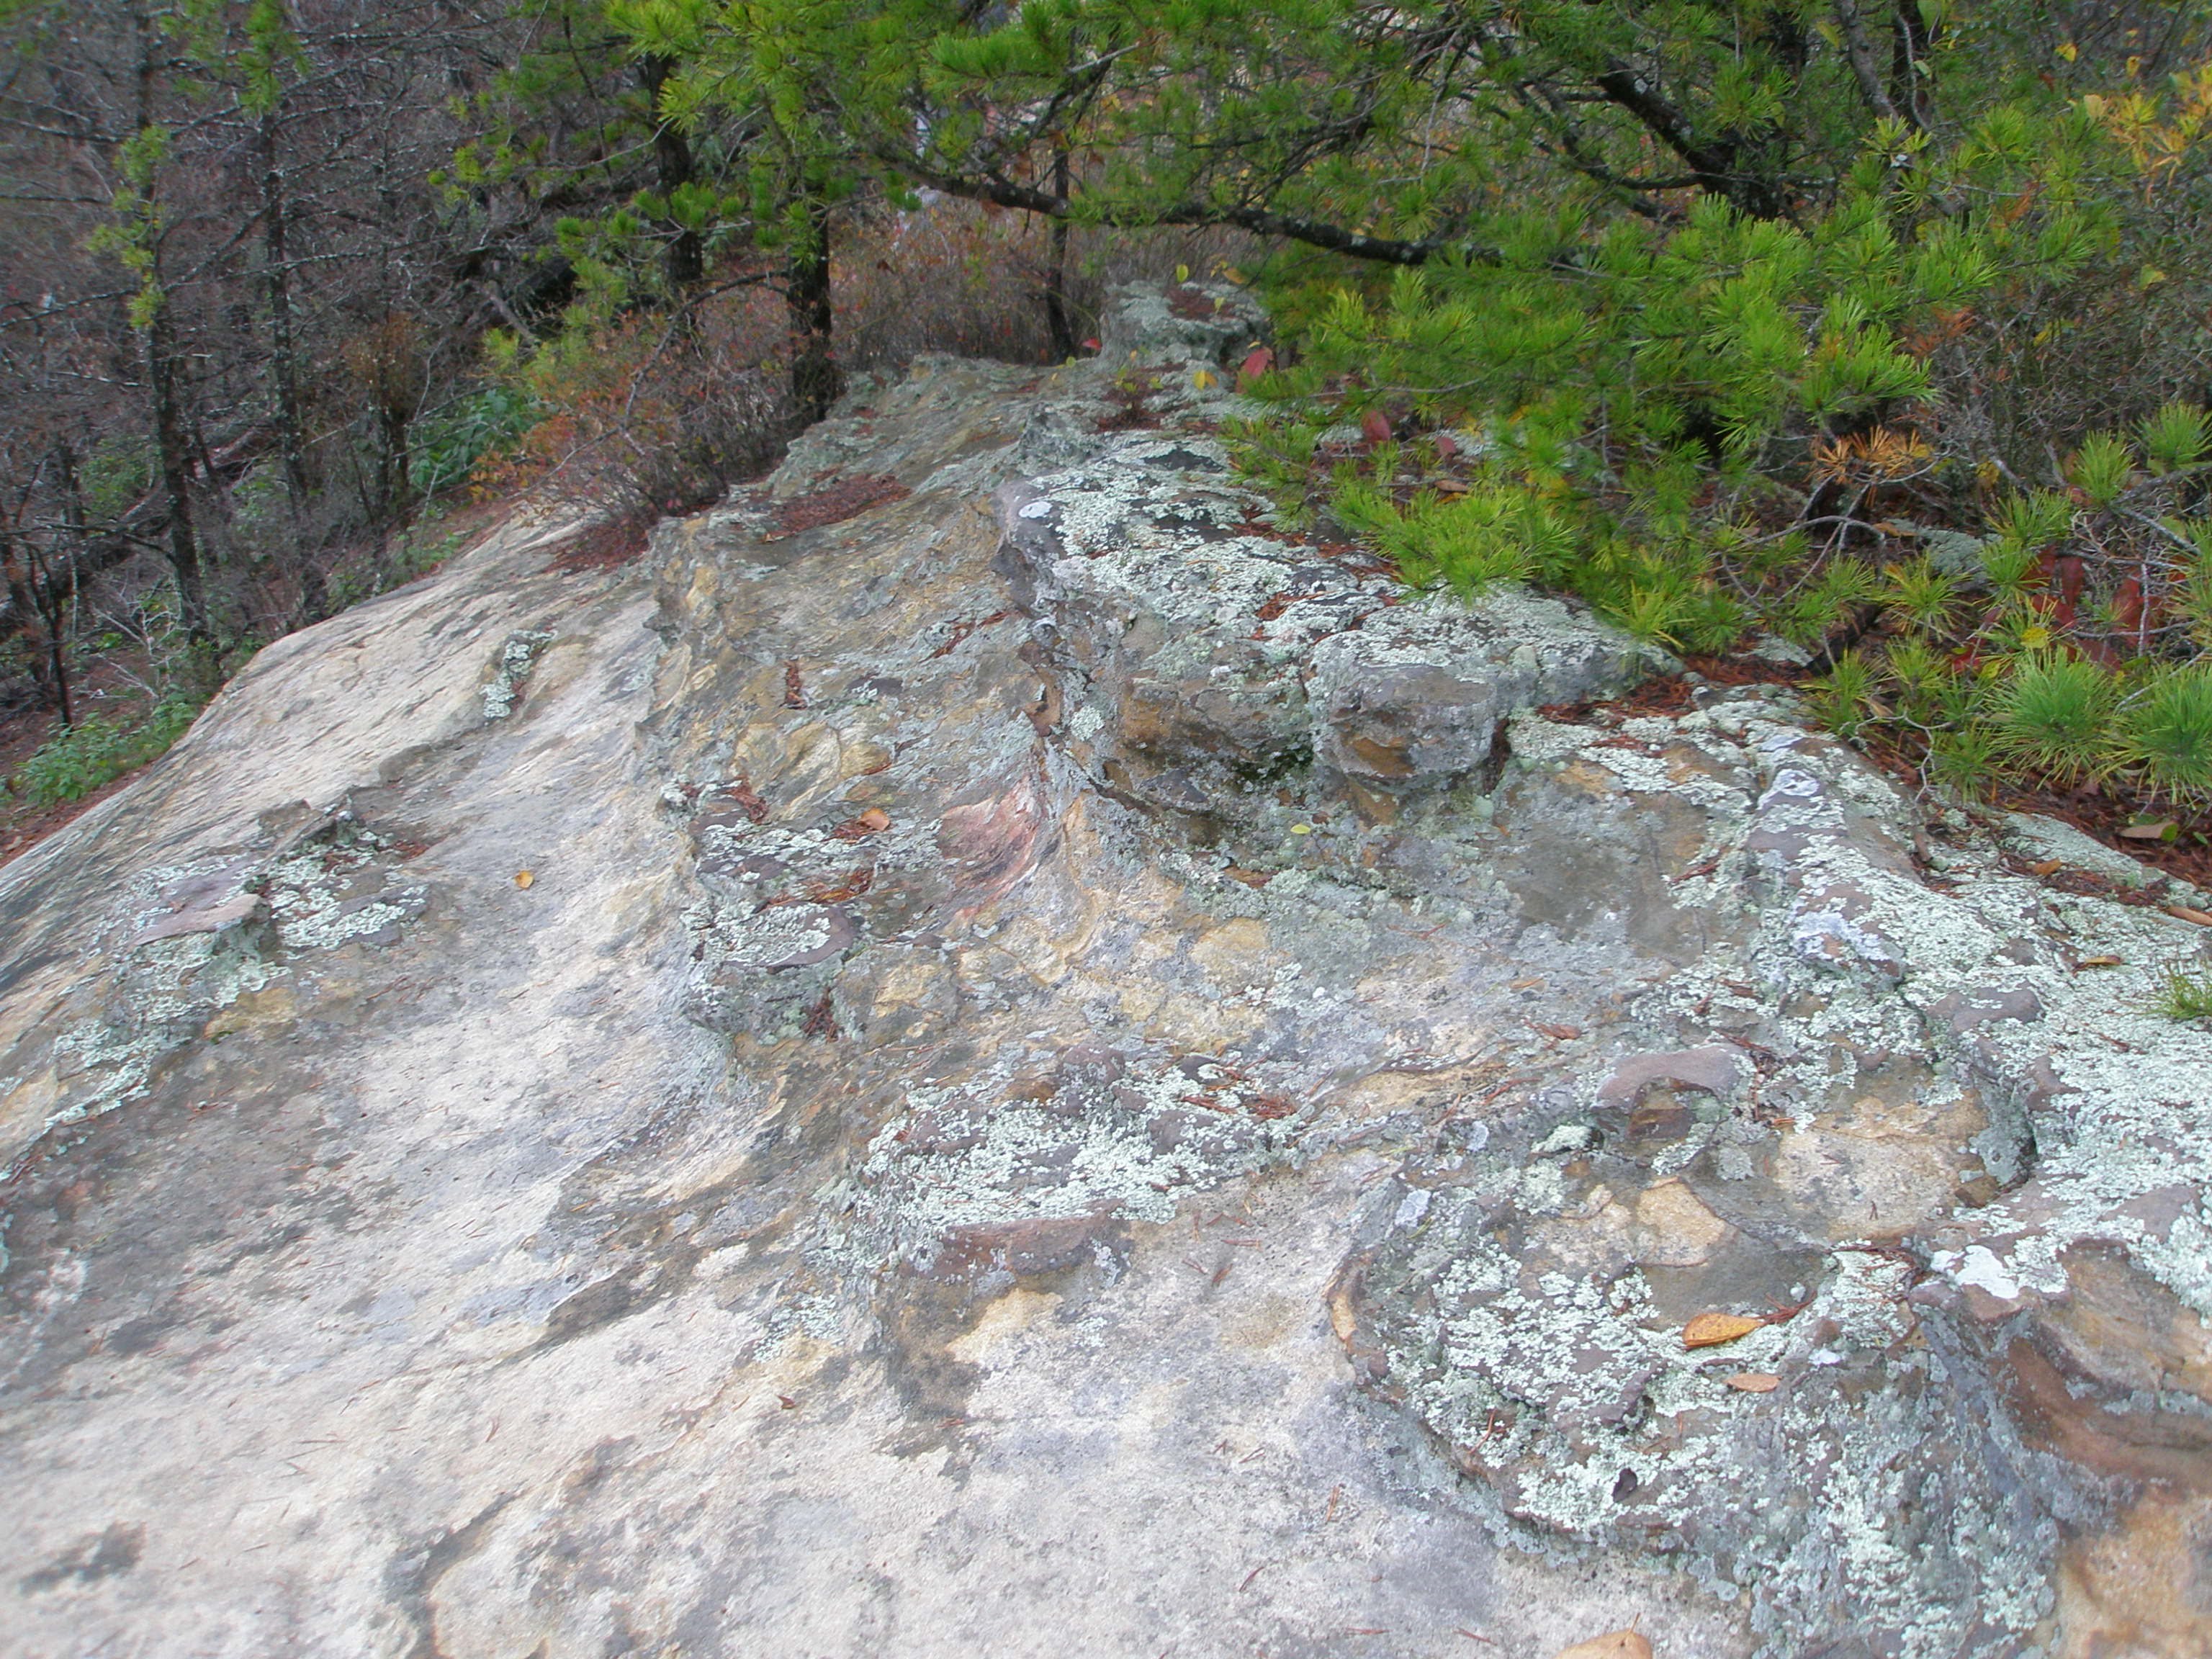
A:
(989, 1053)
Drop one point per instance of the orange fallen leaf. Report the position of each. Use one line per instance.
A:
(1753, 1382)
(2046, 866)
(1710, 1330)
(1621, 1644)
(868, 823)
(523, 879)
(2199, 917)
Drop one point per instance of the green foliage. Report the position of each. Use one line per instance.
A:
(2184, 994)
(2176, 437)
(1967, 761)
(2102, 468)
(1921, 595)
(117, 472)
(2054, 714)
(420, 549)
(79, 759)
(1671, 391)
(448, 444)
(1842, 699)
(2166, 735)
(1694, 310)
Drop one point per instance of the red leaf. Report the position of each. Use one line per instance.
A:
(1376, 425)
(1258, 363)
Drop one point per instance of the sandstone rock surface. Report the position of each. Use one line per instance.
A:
(1074, 1073)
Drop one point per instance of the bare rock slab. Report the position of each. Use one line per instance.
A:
(1074, 1072)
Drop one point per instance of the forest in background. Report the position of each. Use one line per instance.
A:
(1875, 338)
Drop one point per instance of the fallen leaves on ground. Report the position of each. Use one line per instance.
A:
(1755, 1382)
(871, 822)
(523, 879)
(1621, 1644)
(1710, 1330)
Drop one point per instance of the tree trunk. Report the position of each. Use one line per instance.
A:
(815, 381)
(684, 261)
(283, 364)
(1056, 276)
(60, 616)
(396, 422)
(49, 669)
(176, 485)
(1910, 41)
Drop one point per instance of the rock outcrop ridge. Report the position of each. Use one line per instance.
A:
(989, 1045)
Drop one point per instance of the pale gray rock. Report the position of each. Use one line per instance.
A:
(1070, 1077)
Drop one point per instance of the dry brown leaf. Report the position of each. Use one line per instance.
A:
(2149, 831)
(2047, 867)
(523, 879)
(2098, 962)
(2187, 915)
(1710, 1330)
(748, 800)
(869, 823)
(1621, 1644)
(1755, 1382)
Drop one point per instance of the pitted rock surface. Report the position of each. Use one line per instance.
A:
(1075, 1072)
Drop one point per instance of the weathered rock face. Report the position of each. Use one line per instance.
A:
(1073, 1073)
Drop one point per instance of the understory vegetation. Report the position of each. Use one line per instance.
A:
(1864, 344)
(1936, 431)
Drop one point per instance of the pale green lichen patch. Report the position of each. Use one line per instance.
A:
(1851, 1495)
(185, 942)
(2040, 839)
(1917, 1045)
(1039, 1137)
(1733, 1024)
(339, 886)
(1207, 663)
(512, 669)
